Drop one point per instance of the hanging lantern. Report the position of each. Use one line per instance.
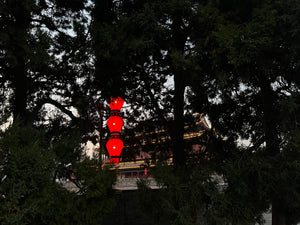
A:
(116, 103)
(115, 124)
(114, 147)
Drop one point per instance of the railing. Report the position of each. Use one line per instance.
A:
(131, 183)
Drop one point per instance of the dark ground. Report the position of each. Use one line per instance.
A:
(127, 211)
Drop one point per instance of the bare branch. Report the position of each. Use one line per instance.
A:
(58, 105)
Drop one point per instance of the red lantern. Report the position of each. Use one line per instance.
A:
(115, 123)
(114, 147)
(115, 161)
(116, 103)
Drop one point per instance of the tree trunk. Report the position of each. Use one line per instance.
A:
(278, 214)
(272, 143)
(178, 123)
(270, 118)
(18, 50)
(20, 94)
(179, 39)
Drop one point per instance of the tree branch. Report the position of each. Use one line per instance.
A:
(48, 23)
(61, 107)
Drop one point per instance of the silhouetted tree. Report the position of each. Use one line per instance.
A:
(252, 93)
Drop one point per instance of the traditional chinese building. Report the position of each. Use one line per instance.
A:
(150, 142)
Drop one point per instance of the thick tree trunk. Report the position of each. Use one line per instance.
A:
(20, 95)
(272, 143)
(278, 214)
(178, 123)
(270, 120)
(108, 69)
(18, 49)
(179, 39)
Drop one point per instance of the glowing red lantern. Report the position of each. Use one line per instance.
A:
(116, 103)
(115, 123)
(114, 147)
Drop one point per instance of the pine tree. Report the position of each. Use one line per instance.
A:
(39, 62)
(45, 60)
(254, 73)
